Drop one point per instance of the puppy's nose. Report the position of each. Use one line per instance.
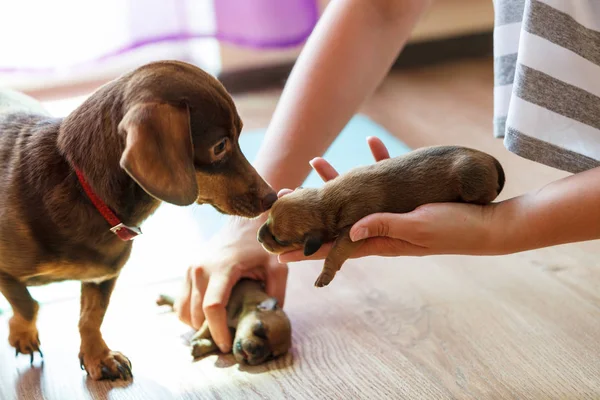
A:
(261, 233)
(256, 351)
(268, 200)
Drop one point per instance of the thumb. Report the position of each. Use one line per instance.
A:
(377, 225)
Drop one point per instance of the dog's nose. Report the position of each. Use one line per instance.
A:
(268, 200)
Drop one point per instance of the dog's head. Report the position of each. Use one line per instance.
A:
(262, 334)
(181, 131)
(295, 222)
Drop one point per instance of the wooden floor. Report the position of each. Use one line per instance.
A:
(525, 326)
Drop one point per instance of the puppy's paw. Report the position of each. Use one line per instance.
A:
(202, 347)
(106, 365)
(24, 337)
(324, 279)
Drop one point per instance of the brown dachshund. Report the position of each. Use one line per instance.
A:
(73, 190)
(307, 218)
(262, 329)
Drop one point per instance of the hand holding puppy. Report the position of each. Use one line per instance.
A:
(437, 228)
(232, 254)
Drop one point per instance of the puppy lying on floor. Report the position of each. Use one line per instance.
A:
(262, 329)
(74, 190)
(307, 218)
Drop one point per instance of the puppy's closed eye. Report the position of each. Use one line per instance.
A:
(280, 242)
(260, 331)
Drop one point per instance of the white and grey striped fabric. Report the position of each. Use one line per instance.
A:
(547, 81)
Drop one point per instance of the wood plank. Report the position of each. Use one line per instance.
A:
(437, 327)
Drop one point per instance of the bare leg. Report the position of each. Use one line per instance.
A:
(23, 334)
(342, 249)
(95, 356)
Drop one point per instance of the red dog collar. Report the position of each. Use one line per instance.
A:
(124, 232)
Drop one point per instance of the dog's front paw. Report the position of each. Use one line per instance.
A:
(106, 365)
(24, 337)
(202, 347)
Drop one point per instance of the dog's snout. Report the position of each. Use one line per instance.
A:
(268, 201)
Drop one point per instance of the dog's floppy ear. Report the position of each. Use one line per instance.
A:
(159, 154)
(312, 243)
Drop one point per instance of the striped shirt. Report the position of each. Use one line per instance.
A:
(547, 81)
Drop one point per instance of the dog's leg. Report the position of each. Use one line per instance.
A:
(23, 334)
(202, 342)
(95, 356)
(342, 249)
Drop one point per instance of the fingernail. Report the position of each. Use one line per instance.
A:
(359, 234)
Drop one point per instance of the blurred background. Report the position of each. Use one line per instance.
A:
(60, 48)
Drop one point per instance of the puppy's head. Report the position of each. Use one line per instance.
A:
(181, 131)
(262, 334)
(296, 221)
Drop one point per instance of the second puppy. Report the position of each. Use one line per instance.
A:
(309, 217)
(262, 329)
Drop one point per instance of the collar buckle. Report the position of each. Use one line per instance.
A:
(125, 232)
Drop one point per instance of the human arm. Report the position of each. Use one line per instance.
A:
(348, 54)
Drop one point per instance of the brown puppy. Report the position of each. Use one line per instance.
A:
(307, 218)
(71, 188)
(262, 329)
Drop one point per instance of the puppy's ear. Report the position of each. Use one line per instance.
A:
(159, 154)
(312, 243)
(268, 305)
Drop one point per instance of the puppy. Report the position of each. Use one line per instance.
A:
(74, 190)
(262, 329)
(307, 218)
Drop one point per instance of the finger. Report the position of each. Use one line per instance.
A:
(323, 168)
(215, 302)
(378, 149)
(388, 247)
(277, 282)
(182, 303)
(198, 288)
(283, 192)
(298, 255)
(397, 226)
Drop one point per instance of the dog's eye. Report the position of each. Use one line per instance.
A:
(219, 149)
